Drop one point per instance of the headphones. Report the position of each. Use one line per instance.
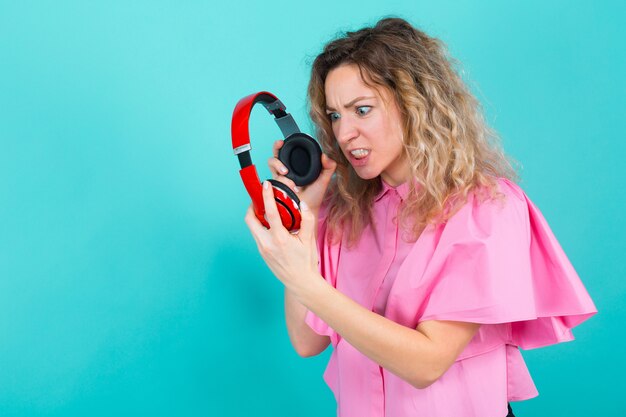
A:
(300, 153)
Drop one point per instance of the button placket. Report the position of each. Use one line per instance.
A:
(389, 247)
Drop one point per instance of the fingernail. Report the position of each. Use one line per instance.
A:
(304, 206)
(296, 189)
(266, 184)
(283, 170)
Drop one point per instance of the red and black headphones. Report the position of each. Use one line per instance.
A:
(300, 153)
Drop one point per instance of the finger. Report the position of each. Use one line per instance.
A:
(255, 226)
(276, 166)
(289, 183)
(277, 145)
(328, 168)
(307, 224)
(271, 211)
(328, 164)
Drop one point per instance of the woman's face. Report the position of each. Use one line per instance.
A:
(367, 126)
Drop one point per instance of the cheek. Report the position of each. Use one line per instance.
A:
(385, 129)
(394, 137)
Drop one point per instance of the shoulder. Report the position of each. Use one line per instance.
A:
(506, 198)
(502, 210)
(511, 190)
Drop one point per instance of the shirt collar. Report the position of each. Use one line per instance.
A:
(402, 190)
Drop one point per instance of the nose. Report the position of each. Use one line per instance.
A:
(345, 130)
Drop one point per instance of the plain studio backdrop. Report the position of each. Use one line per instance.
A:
(129, 282)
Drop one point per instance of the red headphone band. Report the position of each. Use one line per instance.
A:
(241, 117)
(241, 140)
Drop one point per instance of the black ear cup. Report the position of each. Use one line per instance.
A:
(302, 156)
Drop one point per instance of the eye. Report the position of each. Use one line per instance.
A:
(363, 110)
(333, 116)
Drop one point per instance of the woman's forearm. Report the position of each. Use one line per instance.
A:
(401, 350)
(304, 340)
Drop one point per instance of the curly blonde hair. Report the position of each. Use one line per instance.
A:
(450, 149)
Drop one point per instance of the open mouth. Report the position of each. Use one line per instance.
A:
(359, 153)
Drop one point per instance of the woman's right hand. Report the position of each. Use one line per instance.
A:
(313, 193)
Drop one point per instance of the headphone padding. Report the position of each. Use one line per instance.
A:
(302, 156)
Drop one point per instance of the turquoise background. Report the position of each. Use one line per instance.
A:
(129, 283)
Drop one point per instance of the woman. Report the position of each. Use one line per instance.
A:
(436, 267)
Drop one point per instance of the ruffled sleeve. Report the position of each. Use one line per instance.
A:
(497, 261)
(328, 258)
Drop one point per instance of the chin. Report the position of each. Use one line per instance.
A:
(366, 174)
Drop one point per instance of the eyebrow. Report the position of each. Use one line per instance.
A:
(350, 104)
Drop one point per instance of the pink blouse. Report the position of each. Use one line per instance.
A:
(494, 262)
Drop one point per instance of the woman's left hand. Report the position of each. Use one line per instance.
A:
(292, 258)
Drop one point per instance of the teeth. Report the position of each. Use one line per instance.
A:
(360, 153)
